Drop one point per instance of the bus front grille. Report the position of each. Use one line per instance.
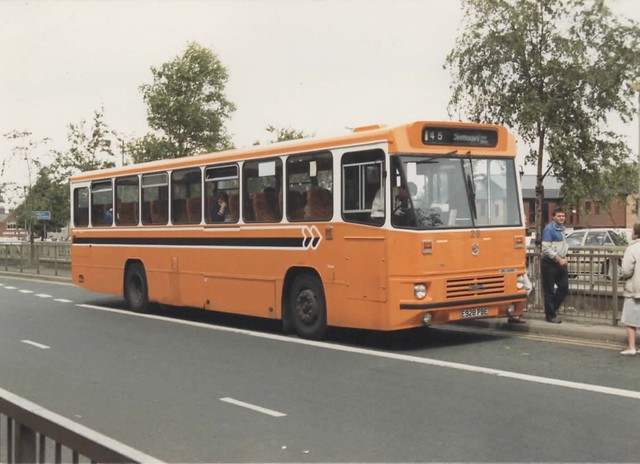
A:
(475, 286)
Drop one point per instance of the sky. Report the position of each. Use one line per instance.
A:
(320, 66)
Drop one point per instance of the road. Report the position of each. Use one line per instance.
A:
(189, 386)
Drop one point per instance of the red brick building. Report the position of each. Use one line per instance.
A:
(621, 213)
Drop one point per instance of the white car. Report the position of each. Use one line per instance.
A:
(583, 262)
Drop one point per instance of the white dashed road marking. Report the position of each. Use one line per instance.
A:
(37, 345)
(253, 407)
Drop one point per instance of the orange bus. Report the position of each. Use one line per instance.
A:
(385, 228)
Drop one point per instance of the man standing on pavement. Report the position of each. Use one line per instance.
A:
(555, 274)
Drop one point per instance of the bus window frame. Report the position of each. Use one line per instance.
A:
(118, 203)
(249, 201)
(165, 184)
(206, 211)
(74, 201)
(363, 210)
(184, 218)
(92, 207)
(322, 212)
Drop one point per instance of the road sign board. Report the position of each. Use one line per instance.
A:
(42, 215)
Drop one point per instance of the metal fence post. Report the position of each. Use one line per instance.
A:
(613, 265)
(25, 444)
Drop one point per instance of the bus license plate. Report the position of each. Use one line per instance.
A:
(474, 312)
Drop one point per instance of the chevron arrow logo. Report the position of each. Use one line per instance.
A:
(312, 237)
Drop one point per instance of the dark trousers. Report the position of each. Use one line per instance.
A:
(555, 283)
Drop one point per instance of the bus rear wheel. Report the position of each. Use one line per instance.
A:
(308, 308)
(136, 293)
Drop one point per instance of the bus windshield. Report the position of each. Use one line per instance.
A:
(454, 192)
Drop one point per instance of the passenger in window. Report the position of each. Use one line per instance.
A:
(220, 210)
(108, 216)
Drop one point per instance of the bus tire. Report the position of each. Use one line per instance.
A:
(136, 292)
(308, 308)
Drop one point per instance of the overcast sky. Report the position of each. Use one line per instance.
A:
(320, 66)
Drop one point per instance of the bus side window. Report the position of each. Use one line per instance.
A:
(221, 184)
(81, 207)
(155, 192)
(127, 201)
(101, 203)
(310, 187)
(186, 196)
(262, 190)
(363, 187)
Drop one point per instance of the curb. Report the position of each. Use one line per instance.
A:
(28, 275)
(568, 329)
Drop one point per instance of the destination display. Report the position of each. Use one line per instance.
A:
(459, 136)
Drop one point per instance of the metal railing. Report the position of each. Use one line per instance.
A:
(595, 288)
(39, 257)
(30, 433)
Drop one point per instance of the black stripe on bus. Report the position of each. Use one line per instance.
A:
(240, 242)
(449, 304)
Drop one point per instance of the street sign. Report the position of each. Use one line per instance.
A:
(42, 215)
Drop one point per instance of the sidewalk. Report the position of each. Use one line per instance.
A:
(534, 322)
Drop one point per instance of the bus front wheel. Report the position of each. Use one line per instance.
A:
(307, 306)
(135, 288)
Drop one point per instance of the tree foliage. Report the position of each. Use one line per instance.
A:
(555, 72)
(186, 104)
(23, 152)
(284, 134)
(90, 147)
(46, 194)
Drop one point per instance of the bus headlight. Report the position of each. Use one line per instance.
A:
(520, 283)
(420, 291)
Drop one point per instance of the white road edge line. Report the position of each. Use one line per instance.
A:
(37, 345)
(395, 356)
(253, 407)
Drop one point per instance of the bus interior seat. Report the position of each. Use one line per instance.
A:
(158, 212)
(295, 204)
(234, 207)
(319, 203)
(264, 205)
(194, 205)
(179, 211)
(127, 213)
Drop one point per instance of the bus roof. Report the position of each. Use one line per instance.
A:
(406, 138)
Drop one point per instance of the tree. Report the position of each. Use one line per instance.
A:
(284, 134)
(45, 195)
(554, 71)
(186, 103)
(24, 152)
(91, 147)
